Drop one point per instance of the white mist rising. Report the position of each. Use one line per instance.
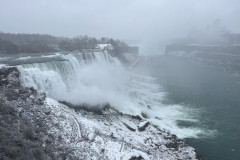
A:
(97, 78)
(77, 81)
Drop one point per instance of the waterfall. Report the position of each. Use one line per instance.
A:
(91, 78)
(96, 78)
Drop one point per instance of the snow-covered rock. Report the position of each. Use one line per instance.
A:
(2, 65)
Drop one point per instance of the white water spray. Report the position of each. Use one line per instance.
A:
(98, 78)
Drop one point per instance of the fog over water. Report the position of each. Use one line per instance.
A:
(152, 22)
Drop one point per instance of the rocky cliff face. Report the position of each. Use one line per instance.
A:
(33, 126)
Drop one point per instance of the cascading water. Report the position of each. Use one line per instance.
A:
(97, 78)
(81, 78)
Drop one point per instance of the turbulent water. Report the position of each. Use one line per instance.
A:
(77, 79)
(96, 78)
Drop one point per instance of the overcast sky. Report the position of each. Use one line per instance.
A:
(122, 19)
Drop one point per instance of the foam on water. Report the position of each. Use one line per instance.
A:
(24, 58)
(97, 78)
(146, 97)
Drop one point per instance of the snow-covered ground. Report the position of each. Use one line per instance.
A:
(2, 65)
(112, 135)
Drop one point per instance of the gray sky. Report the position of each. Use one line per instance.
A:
(122, 19)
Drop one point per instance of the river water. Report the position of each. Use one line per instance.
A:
(215, 93)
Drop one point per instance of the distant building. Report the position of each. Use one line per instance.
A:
(108, 47)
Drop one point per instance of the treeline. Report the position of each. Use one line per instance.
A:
(36, 43)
